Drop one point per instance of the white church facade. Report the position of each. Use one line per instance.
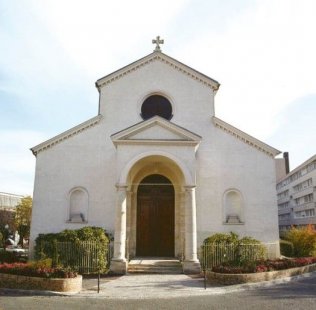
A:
(156, 168)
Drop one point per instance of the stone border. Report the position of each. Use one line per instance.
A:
(70, 285)
(230, 279)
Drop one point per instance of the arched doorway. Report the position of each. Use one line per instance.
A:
(155, 217)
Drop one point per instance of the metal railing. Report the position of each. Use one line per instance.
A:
(84, 256)
(214, 254)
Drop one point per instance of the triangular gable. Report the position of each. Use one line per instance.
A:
(158, 56)
(66, 135)
(156, 130)
(240, 135)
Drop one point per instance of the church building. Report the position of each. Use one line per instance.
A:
(156, 168)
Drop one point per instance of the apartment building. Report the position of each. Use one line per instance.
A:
(296, 194)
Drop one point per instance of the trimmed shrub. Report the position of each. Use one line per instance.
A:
(231, 249)
(68, 248)
(303, 240)
(222, 238)
(286, 248)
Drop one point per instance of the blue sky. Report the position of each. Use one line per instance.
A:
(52, 52)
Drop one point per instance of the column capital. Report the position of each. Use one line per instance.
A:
(189, 188)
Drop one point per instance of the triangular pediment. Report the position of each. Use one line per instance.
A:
(156, 130)
(163, 58)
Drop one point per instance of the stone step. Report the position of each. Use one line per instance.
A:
(157, 266)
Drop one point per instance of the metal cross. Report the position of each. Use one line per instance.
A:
(157, 42)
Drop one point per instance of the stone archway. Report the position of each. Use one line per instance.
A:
(132, 174)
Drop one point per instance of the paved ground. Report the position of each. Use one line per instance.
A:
(299, 293)
(167, 286)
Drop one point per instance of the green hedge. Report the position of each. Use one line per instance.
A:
(230, 247)
(84, 249)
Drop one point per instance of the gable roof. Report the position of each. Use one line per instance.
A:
(238, 134)
(66, 134)
(175, 134)
(159, 56)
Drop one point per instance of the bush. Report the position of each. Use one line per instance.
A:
(73, 252)
(8, 257)
(286, 248)
(303, 240)
(222, 238)
(230, 248)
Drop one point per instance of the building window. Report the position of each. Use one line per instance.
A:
(79, 203)
(284, 205)
(303, 185)
(233, 207)
(156, 105)
(304, 199)
(305, 213)
(285, 216)
(284, 194)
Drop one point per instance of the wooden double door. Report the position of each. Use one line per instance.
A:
(155, 217)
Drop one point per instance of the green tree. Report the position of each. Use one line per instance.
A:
(23, 217)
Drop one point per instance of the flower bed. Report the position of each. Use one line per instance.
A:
(261, 271)
(263, 265)
(32, 276)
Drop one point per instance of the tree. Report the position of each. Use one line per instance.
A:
(23, 217)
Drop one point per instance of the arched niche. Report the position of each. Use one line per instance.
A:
(78, 205)
(233, 207)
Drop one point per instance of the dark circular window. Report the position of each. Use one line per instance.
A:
(156, 105)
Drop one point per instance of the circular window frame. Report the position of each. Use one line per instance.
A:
(156, 94)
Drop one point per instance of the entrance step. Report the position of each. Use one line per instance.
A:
(155, 265)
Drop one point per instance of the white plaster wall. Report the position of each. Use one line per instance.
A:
(230, 163)
(84, 160)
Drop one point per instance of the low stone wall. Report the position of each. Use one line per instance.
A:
(229, 279)
(70, 285)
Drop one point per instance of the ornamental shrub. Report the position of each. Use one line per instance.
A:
(222, 238)
(286, 248)
(232, 249)
(8, 257)
(69, 248)
(303, 240)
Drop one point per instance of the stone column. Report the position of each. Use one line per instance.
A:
(191, 263)
(119, 263)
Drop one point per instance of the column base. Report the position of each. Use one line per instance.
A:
(191, 267)
(118, 266)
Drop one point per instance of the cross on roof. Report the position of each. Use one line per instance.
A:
(157, 41)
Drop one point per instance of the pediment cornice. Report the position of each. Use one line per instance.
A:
(244, 137)
(66, 135)
(158, 56)
(180, 135)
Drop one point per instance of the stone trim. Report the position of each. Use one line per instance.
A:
(230, 279)
(240, 135)
(70, 285)
(158, 56)
(125, 136)
(66, 135)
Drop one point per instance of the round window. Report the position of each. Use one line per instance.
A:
(156, 105)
